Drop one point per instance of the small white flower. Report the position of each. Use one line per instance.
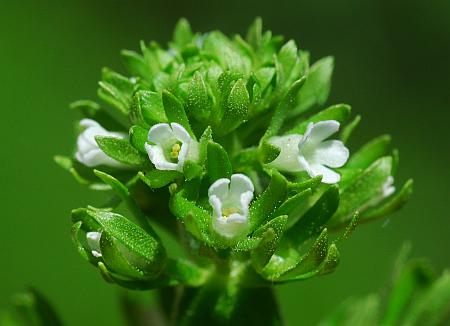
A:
(93, 241)
(312, 152)
(172, 146)
(230, 200)
(88, 151)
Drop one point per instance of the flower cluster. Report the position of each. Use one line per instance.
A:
(228, 139)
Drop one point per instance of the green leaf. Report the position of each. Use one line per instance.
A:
(283, 108)
(138, 138)
(261, 255)
(393, 204)
(338, 112)
(315, 218)
(199, 103)
(348, 129)
(264, 77)
(136, 64)
(205, 138)
(370, 152)
(124, 243)
(175, 111)
(365, 189)
(196, 219)
(297, 187)
(218, 163)
(317, 86)
(116, 90)
(269, 200)
(296, 205)
(121, 150)
(236, 109)
(149, 106)
(309, 264)
(182, 35)
(254, 33)
(287, 59)
(159, 178)
(94, 111)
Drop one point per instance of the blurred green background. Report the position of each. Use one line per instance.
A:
(392, 66)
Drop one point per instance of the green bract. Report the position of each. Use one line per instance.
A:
(225, 98)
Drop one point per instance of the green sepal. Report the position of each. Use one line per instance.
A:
(268, 152)
(287, 59)
(199, 102)
(205, 138)
(314, 220)
(218, 164)
(393, 204)
(370, 152)
(136, 64)
(121, 150)
(159, 178)
(268, 201)
(192, 170)
(147, 108)
(175, 111)
(122, 242)
(261, 254)
(366, 187)
(297, 187)
(338, 112)
(317, 86)
(77, 233)
(254, 33)
(296, 206)
(138, 138)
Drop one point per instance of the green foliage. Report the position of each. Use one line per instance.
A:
(232, 96)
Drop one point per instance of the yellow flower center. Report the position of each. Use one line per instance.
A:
(228, 211)
(175, 151)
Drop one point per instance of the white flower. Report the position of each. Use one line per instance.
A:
(93, 241)
(88, 151)
(230, 200)
(312, 152)
(172, 146)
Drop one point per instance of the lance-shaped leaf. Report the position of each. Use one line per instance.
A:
(349, 128)
(317, 86)
(136, 64)
(126, 248)
(159, 178)
(192, 170)
(269, 200)
(338, 112)
(121, 150)
(365, 191)
(297, 187)
(267, 152)
(147, 108)
(236, 109)
(283, 108)
(116, 90)
(309, 263)
(199, 103)
(314, 220)
(271, 233)
(218, 163)
(287, 58)
(175, 110)
(296, 206)
(370, 152)
(182, 34)
(254, 33)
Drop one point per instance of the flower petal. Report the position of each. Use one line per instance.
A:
(241, 183)
(88, 123)
(328, 175)
(161, 134)
(321, 130)
(332, 153)
(156, 155)
(287, 159)
(180, 133)
(219, 188)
